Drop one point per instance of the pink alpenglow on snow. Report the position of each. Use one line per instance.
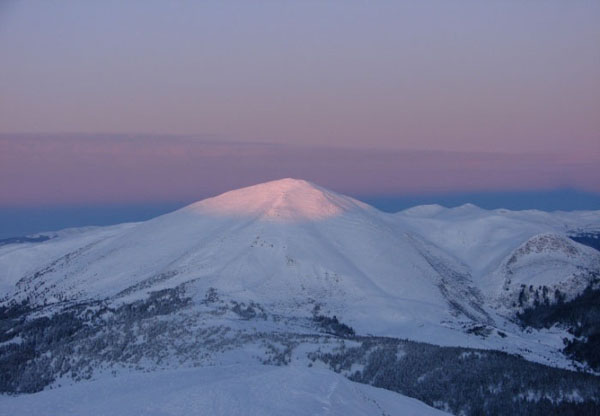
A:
(285, 200)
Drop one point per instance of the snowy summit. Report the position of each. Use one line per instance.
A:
(284, 200)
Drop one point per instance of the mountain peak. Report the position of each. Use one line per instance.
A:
(283, 200)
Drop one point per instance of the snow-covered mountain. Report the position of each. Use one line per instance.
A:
(291, 257)
(286, 243)
(292, 244)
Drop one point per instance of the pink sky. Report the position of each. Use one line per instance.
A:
(47, 170)
(363, 97)
(508, 76)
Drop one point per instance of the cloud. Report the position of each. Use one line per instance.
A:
(63, 169)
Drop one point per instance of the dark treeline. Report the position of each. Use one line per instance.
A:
(333, 326)
(590, 239)
(467, 381)
(46, 347)
(581, 317)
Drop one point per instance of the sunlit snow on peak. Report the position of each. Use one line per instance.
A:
(284, 200)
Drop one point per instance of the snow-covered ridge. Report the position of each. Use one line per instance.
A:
(546, 244)
(552, 263)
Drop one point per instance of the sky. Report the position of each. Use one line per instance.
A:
(165, 102)
(463, 75)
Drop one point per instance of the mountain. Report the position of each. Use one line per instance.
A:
(289, 273)
(286, 243)
(506, 250)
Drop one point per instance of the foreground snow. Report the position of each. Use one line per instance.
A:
(231, 390)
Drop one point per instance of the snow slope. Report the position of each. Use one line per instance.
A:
(233, 390)
(488, 243)
(425, 274)
(286, 243)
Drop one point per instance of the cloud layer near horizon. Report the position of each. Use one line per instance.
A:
(91, 169)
